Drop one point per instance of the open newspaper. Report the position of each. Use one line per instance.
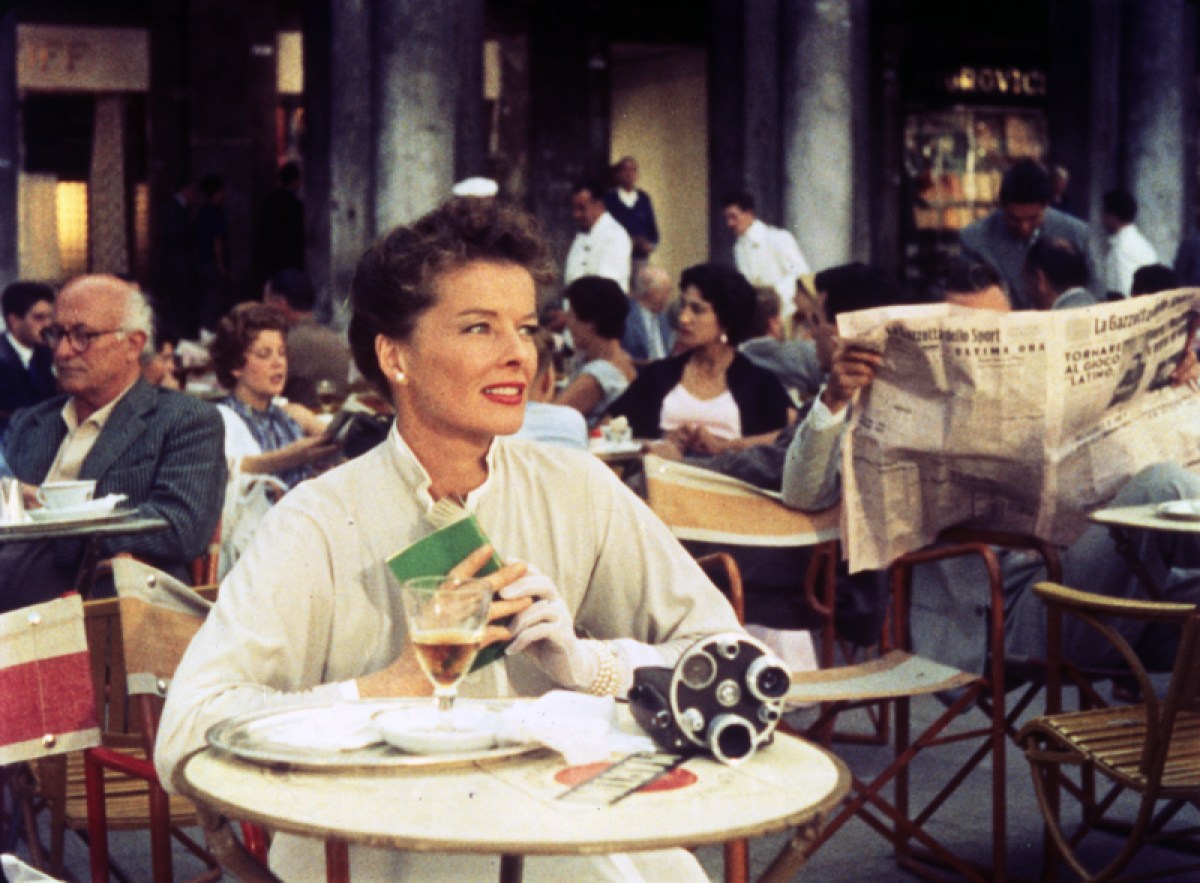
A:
(1019, 421)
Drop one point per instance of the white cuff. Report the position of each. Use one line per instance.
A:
(821, 417)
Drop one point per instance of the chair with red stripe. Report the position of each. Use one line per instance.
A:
(135, 641)
(48, 705)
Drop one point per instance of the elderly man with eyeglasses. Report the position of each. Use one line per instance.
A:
(162, 449)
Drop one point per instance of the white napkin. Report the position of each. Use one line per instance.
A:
(343, 727)
(583, 729)
(19, 872)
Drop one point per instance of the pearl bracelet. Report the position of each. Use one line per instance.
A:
(609, 671)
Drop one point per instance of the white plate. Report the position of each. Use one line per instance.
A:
(91, 509)
(1186, 510)
(424, 730)
(269, 737)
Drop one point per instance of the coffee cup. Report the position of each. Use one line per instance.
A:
(617, 435)
(65, 494)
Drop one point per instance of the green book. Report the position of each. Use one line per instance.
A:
(443, 549)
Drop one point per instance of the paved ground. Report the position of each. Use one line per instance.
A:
(855, 854)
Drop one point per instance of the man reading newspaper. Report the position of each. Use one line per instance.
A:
(937, 415)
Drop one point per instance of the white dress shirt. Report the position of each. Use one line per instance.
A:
(605, 250)
(1128, 250)
(769, 256)
(23, 352)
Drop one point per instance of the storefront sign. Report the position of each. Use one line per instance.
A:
(1014, 81)
(63, 59)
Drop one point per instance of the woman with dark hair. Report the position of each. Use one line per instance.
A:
(443, 318)
(249, 356)
(711, 398)
(597, 309)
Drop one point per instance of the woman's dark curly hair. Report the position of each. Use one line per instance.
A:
(730, 295)
(600, 301)
(236, 333)
(394, 282)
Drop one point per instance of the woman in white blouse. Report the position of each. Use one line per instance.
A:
(443, 317)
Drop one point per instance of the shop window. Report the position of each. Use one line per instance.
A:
(71, 208)
(954, 160)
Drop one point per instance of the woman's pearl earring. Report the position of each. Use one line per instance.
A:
(401, 377)
(724, 337)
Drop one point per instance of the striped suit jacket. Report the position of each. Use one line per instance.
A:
(163, 449)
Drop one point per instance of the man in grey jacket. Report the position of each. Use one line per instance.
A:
(162, 449)
(1003, 237)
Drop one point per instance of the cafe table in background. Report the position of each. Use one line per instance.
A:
(1178, 516)
(91, 530)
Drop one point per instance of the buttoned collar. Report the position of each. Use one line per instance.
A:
(412, 470)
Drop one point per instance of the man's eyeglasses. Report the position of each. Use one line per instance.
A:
(79, 336)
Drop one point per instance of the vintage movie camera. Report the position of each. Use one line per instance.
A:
(724, 696)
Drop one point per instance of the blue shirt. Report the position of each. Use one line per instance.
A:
(559, 425)
(272, 429)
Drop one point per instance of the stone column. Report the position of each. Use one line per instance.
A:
(106, 189)
(825, 97)
(744, 112)
(1158, 117)
(470, 135)
(1083, 102)
(338, 170)
(9, 147)
(167, 141)
(569, 128)
(417, 82)
(232, 124)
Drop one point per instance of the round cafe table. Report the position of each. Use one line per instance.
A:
(511, 808)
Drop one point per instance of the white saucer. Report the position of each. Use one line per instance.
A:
(601, 446)
(1185, 510)
(90, 509)
(423, 731)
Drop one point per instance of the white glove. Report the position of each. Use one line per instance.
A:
(546, 631)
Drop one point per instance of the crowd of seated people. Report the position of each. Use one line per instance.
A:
(444, 326)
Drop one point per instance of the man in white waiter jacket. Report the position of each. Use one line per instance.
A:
(601, 247)
(1127, 248)
(767, 256)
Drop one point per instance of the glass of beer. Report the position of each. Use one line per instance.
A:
(446, 619)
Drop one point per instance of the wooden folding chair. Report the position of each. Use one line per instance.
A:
(158, 617)
(204, 569)
(114, 786)
(896, 677)
(704, 506)
(48, 707)
(1151, 749)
